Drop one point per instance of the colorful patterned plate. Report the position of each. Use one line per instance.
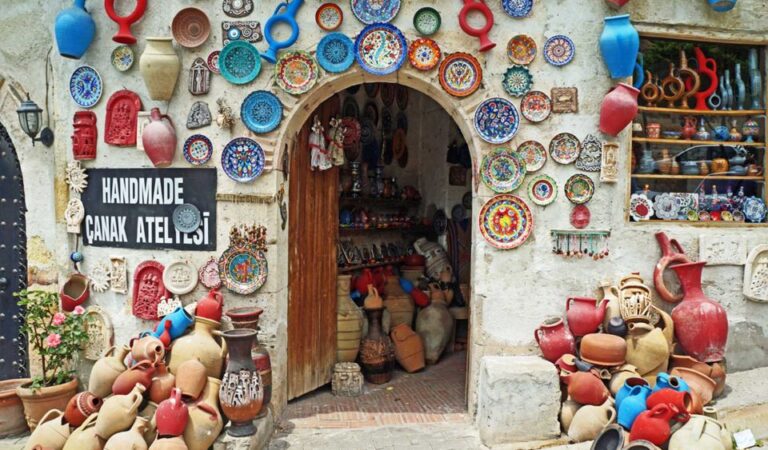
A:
(505, 221)
(536, 106)
(239, 62)
(640, 208)
(85, 87)
(517, 81)
(754, 209)
(564, 148)
(517, 8)
(534, 154)
(542, 190)
(213, 61)
(667, 206)
(242, 159)
(502, 170)
(424, 54)
(261, 111)
(460, 74)
(559, 50)
(243, 269)
(335, 52)
(380, 49)
(373, 11)
(427, 21)
(496, 120)
(198, 149)
(521, 49)
(123, 58)
(296, 72)
(329, 16)
(579, 189)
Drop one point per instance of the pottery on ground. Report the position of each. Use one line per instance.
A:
(399, 304)
(170, 443)
(248, 317)
(52, 432)
(666, 381)
(205, 421)
(148, 347)
(84, 437)
(162, 383)
(554, 339)
(38, 402)
(132, 439)
(191, 378)
(620, 375)
(12, 420)
(118, 412)
(701, 433)
(586, 388)
(377, 354)
(349, 322)
(172, 415)
(610, 438)
(141, 373)
(106, 370)
(584, 314)
(647, 348)
(603, 349)
(201, 345)
(627, 387)
(241, 393)
(682, 400)
(80, 407)
(699, 383)
(409, 348)
(150, 434)
(589, 420)
(210, 306)
(435, 325)
(632, 405)
(159, 66)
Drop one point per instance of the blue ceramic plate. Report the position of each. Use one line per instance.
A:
(186, 218)
(198, 149)
(381, 49)
(517, 8)
(371, 11)
(243, 159)
(239, 62)
(517, 81)
(261, 111)
(335, 52)
(85, 86)
(754, 209)
(559, 50)
(497, 120)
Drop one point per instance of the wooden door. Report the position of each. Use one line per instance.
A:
(312, 236)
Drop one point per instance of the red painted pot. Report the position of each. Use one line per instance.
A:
(586, 388)
(681, 400)
(210, 306)
(653, 425)
(74, 292)
(619, 108)
(554, 339)
(480, 33)
(172, 415)
(159, 139)
(80, 407)
(584, 315)
(671, 253)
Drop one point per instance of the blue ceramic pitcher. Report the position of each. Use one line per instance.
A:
(74, 29)
(667, 381)
(288, 16)
(632, 405)
(180, 320)
(619, 45)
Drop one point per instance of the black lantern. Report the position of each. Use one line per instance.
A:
(29, 119)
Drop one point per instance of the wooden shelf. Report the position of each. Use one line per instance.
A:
(367, 266)
(349, 230)
(380, 202)
(696, 112)
(692, 142)
(697, 177)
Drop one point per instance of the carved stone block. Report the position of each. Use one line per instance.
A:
(347, 379)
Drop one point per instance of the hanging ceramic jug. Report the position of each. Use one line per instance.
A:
(74, 30)
(106, 370)
(701, 433)
(286, 17)
(241, 393)
(589, 420)
(584, 314)
(349, 322)
(377, 355)
(132, 439)
(435, 325)
(84, 437)
(632, 405)
(409, 348)
(205, 421)
(159, 139)
(398, 303)
(159, 66)
(201, 345)
(722, 5)
(52, 432)
(480, 33)
(248, 317)
(118, 412)
(80, 407)
(618, 109)
(171, 415)
(210, 306)
(619, 44)
(74, 292)
(180, 319)
(647, 348)
(554, 339)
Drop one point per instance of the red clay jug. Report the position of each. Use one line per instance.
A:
(210, 306)
(586, 388)
(701, 324)
(74, 292)
(653, 425)
(141, 373)
(671, 253)
(618, 109)
(80, 407)
(172, 415)
(584, 315)
(682, 400)
(554, 339)
(159, 139)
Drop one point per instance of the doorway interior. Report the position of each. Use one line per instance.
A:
(406, 178)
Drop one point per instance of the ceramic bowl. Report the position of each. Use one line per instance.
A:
(191, 27)
(671, 134)
(603, 349)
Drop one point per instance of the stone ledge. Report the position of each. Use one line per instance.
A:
(264, 429)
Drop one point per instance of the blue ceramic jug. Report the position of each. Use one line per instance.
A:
(180, 320)
(619, 45)
(627, 387)
(665, 380)
(288, 16)
(632, 405)
(722, 5)
(74, 30)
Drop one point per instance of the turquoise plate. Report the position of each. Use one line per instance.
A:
(239, 62)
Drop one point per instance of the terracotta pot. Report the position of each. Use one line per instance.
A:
(682, 400)
(174, 443)
(584, 314)
(398, 303)
(718, 375)
(586, 388)
(149, 348)
(162, 383)
(409, 348)
(159, 66)
(118, 412)
(603, 349)
(653, 425)
(171, 415)
(703, 385)
(667, 326)
(701, 324)
(106, 370)
(259, 353)
(566, 363)
(80, 407)
(132, 439)
(618, 109)
(435, 325)
(84, 437)
(611, 297)
(205, 421)
(610, 438)
(74, 292)
(701, 433)
(554, 339)
(191, 378)
(210, 306)
(159, 139)
(620, 376)
(12, 420)
(38, 402)
(141, 374)
(567, 411)
(201, 345)
(52, 431)
(241, 393)
(589, 420)
(349, 322)
(377, 355)
(647, 348)
(150, 434)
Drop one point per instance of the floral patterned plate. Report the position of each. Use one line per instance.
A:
(542, 190)
(85, 86)
(502, 170)
(517, 8)
(564, 148)
(754, 209)
(517, 81)
(261, 111)
(380, 48)
(506, 221)
(424, 54)
(213, 61)
(239, 62)
(372, 11)
(427, 21)
(591, 155)
(123, 58)
(536, 106)
(198, 149)
(497, 120)
(335, 52)
(296, 72)
(521, 49)
(329, 16)
(534, 154)
(460, 74)
(640, 207)
(243, 269)
(243, 159)
(209, 274)
(579, 189)
(666, 206)
(559, 50)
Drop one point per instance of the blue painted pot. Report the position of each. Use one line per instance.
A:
(667, 381)
(625, 390)
(722, 5)
(287, 17)
(180, 320)
(619, 45)
(74, 29)
(633, 405)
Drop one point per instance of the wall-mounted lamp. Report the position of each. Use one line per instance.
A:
(30, 121)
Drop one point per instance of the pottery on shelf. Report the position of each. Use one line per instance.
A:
(74, 29)
(611, 296)
(377, 355)
(241, 393)
(707, 67)
(619, 45)
(554, 339)
(584, 314)
(159, 66)
(118, 412)
(618, 109)
(435, 325)
(159, 139)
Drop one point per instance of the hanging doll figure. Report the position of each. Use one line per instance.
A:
(321, 157)
(336, 141)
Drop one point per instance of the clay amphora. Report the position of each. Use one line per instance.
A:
(647, 348)
(409, 348)
(159, 66)
(632, 405)
(682, 400)
(248, 317)
(201, 345)
(589, 420)
(618, 109)
(171, 443)
(435, 325)
(241, 393)
(80, 407)
(653, 425)
(554, 339)
(191, 378)
(586, 388)
(377, 355)
(159, 139)
(84, 437)
(611, 296)
(701, 433)
(349, 322)
(147, 347)
(132, 439)
(106, 370)
(584, 314)
(51, 432)
(141, 373)
(150, 434)
(699, 383)
(619, 45)
(74, 292)
(171, 415)
(162, 383)
(398, 303)
(118, 412)
(205, 421)
(620, 376)
(210, 306)
(567, 411)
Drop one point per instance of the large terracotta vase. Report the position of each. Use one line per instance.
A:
(38, 402)
(701, 324)
(12, 420)
(162, 383)
(647, 348)
(52, 433)
(554, 339)
(201, 345)
(159, 66)
(377, 355)
(618, 109)
(74, 29)
(118, 412)
(159, 139)
(349, 322)
(398, 303)
(619, 44)
(106, 370)
(248, 317)
(435, 325)
(242, 392)
(140, 373)
(205, 421)
(84, 437)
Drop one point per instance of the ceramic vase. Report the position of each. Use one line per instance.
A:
(435, 325)
(159, 139)
(741, 92)
(80, 407)
(205, 421)
(191, 377)
(619, 44)
(584, 315)
(701, 433)
(377, 355)
(241, 393)
(210, 306)
(618, 109)
(682, 400)
(37, 402)
(106, 370)
(118, 412)
(707, 67)
(248, 317)
(52, 432)
(180, 319)
(132, 439)
(349, 322)
(554, 339)
(409, 348)
(632, 405)
(755, 81)
(589, 420)
(201, 345)
(172, 415)
(11, 408)
(398, 303)
(74, 29)
(586, 388)
(159, 66)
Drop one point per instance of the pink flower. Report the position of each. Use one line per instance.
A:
(78, 310)
(59, 318)
(53, 340)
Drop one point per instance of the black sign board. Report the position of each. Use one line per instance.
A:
(133, 208)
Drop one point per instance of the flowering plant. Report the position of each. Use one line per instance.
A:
(52, 334)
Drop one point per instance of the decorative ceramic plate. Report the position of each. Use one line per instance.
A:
(496, 120)
(754, 209)
(521, 49)
(564, 148)
(640, 207)
(536, 106)
(579, 189)
(502, 170)
(243, 269)
(242, 159)
(190, 27)
(427, 21)
(85, 86)
(186, 218)
(460, 74)
(329, 16)
(335, 52)
(209, 274)
(559, 50)
(239, 62)
(180, 277)
(703, 215)
(727, 216)
(517, 8)
(261, 111)
(123, 58)
(372, 11)
(198, 149)
(591, 155)
(506, 221)
(350, 108)
(534, 154)
(240, 30)
(517, 81)
(424, 54)
(296, 72)
(738, 216)
(666, 206)
(213, 61)
(237, 8)
(542, 190)
(380, 49)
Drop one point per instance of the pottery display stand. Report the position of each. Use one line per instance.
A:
(265, 427)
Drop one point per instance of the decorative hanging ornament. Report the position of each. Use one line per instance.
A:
(100, 275)
(76, 177)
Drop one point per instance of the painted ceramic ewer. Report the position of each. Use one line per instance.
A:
(288, 16)
(74, 30)
(159, 139)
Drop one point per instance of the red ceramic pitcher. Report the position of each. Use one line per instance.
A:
(141, 373)
(671, 253)
(172, 415)
(584, 315)
(74, 292)
(586, 388)
(653, 425)
(480, 33)
(618, 109)
(210, 306)
(159, 139)
(554, 339)
(682, 400)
